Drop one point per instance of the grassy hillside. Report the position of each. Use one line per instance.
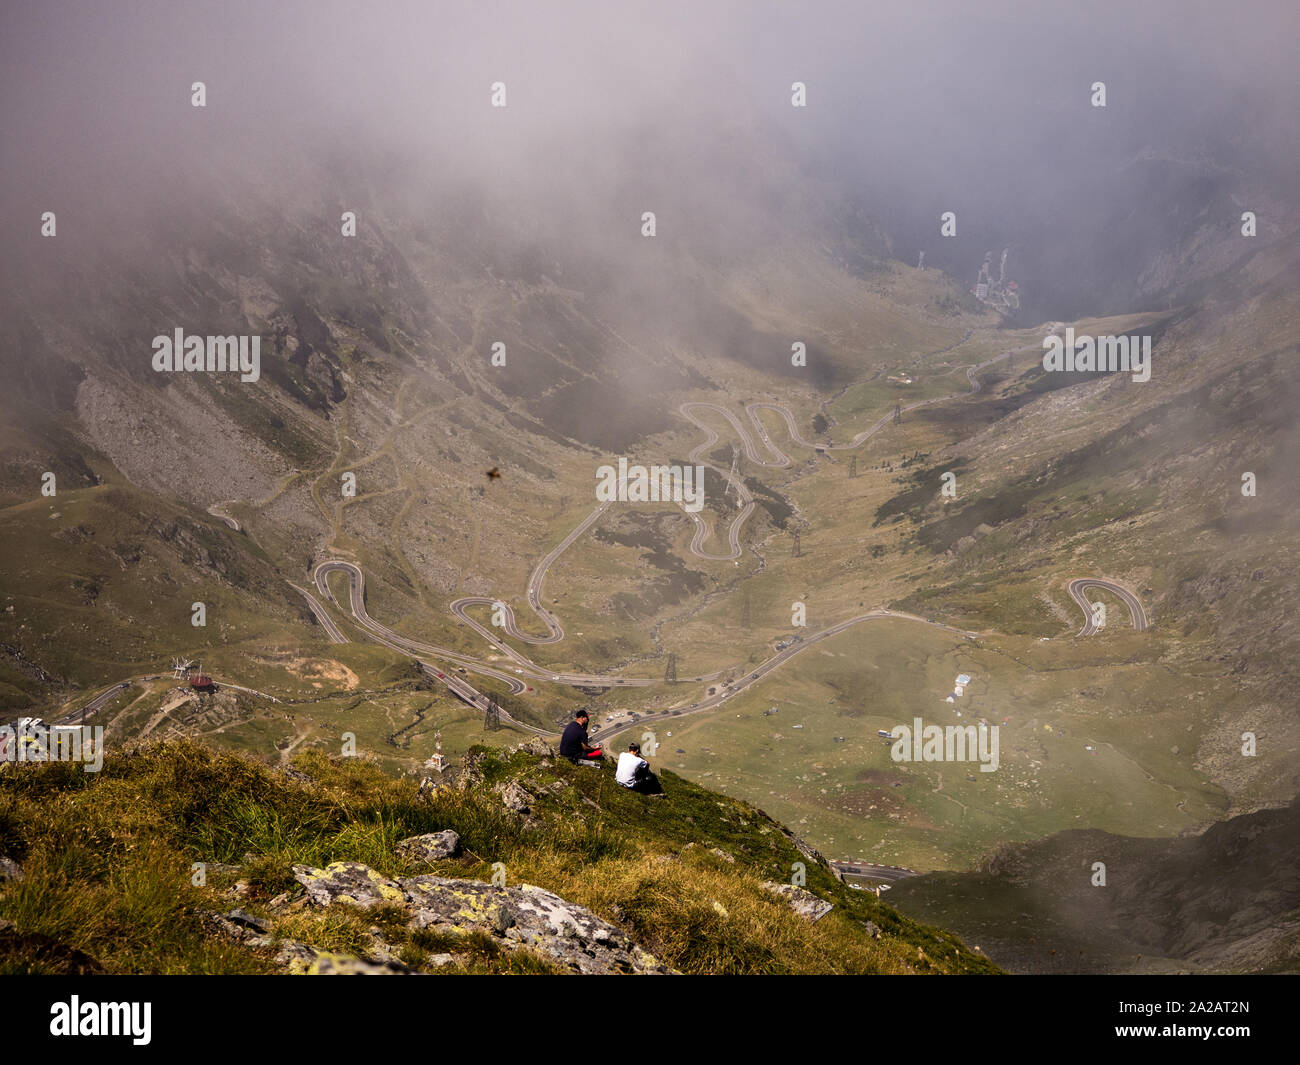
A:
(107, 864)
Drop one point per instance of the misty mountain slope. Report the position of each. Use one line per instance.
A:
(375, 363)
(1225, 900)
(1142, 482)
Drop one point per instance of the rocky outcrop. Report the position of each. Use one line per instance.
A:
(565, 934)
(527, 916)
(515, 797)
(802, 901)
(430, 847)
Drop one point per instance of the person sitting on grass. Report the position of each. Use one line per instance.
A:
(573, 742)
(633, 772)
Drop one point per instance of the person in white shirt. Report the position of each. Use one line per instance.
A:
(633, 772)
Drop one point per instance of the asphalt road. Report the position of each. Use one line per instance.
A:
(1079, 588)
(217, 511)
(872, 872)
(77, 716)
(322, 615)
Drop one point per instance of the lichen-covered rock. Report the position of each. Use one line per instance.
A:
(803, 902)
(328, 964)
(430, 847)
(536, 746)
(302, 959)
(10, 870)
(349, 882)
(515, 796)
(288, 952)
(567, 934)
(240, 924)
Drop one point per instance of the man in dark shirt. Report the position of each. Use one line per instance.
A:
(573, 743)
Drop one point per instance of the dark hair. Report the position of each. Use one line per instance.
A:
(581, 713)
(634, 747)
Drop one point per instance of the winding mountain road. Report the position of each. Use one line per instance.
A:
(1079, 588)
(771, 456)
(779, 459)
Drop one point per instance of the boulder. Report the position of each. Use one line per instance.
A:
(515, 796)
(347, 882)
(430, 847)
(802, 901)
(10, 870)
